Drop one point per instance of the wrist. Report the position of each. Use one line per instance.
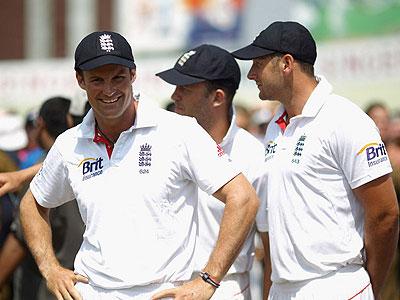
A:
(206, 277)
(46, 269)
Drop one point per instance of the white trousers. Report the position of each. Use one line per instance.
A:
(349, 283)
(89, 292)
(234, 287)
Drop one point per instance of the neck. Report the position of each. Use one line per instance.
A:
(219, 128)
(299, 95)
(111, 129)
(46, 141)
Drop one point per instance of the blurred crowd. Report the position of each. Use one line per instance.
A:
(24, 142)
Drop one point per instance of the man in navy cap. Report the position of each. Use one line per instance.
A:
(206, 80)
(134, 170)
(332, 209)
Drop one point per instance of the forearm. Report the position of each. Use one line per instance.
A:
(237, 220)
(28, 173)
(267, 264)
(11, 255)
(37, 231)
(380, 246)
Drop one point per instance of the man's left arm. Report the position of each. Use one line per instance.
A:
(241, 204)
(381, 228)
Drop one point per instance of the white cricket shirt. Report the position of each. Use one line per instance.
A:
(139, 206)
(248, 154)
(315, 221)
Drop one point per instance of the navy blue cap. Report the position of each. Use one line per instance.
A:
(282, 37)
(102, 48)
(206, 62)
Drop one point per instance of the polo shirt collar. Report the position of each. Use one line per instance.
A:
(317, 98)
(146, 116)
(314, 103)
(233, 128)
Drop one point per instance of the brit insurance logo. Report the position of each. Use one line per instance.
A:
(91, 167)
(144, 158)
(270, 150)
(375, 153)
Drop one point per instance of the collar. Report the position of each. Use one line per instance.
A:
(146, 116)
(317, 98)
(100, 138)
(282, 120)
(233, 128)
(313, 105)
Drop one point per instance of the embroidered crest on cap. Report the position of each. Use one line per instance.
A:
(185, 57)
(106, 42)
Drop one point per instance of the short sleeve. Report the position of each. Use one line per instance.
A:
(359, 150)
(260, 185)
(50, 186)
(206, 163)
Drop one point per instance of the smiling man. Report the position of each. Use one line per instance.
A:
(134, 170)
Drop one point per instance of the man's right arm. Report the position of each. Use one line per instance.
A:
(13, 181)
(37, 231)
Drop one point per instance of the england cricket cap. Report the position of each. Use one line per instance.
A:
(206, 62)
(103, 48)
(282, 37)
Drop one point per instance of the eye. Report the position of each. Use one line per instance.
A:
(95, 80)
(119, 77)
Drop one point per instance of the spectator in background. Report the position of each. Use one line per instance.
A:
(79, 107)
(53, 119)
(379, 112)
(392, 287)
(12, 139)
(242, 117)
(260, 118)
(32, 153)
(12, 134)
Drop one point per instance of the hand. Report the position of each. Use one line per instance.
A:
(196, 289)
(9, 182)
(61, 282)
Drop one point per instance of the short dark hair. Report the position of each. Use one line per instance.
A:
(54, 113)
(305, 67)
(224, 84)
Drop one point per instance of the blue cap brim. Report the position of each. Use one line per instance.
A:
(175, 77)
(106, 60)
(250, 52)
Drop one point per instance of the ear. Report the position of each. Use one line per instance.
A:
(40, 124)
(133, 75)
(287, 63)
(219, 97)
(80, 80)
(70, 120)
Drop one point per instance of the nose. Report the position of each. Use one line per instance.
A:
(175, 95)
(108, 90)
(251, 74)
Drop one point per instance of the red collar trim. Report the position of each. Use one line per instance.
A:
(99, 138)
(282, 123)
